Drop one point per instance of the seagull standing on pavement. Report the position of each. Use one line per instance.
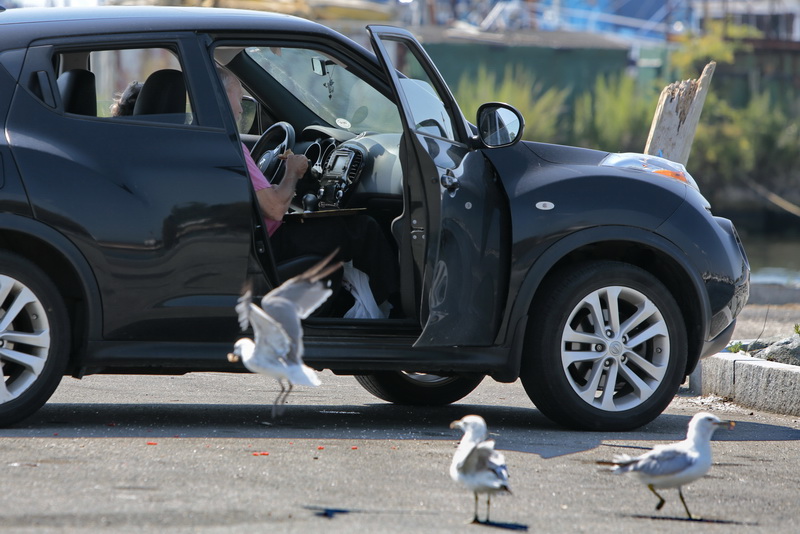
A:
(675, 464)
(476, 464)
(277, 347)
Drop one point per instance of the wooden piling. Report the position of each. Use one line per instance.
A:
(676, 117)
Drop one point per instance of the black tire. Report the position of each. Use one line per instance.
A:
(568, 358)
(418, 389)
(34, 338)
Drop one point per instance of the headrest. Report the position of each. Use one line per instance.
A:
(163, 92)
(78, 92)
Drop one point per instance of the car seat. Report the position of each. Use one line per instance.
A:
(164, 94)
(78, 92)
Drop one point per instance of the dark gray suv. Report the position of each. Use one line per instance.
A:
(598, 279)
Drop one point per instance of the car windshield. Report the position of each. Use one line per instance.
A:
(334, 94)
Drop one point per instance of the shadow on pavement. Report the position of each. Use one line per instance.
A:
(515, 429)
(695, 520)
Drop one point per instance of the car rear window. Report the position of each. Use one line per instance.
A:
(109, 84)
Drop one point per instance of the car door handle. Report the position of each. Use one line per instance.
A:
(449, 181)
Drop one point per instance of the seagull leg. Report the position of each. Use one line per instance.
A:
(475, 517)
(661, 500)
(688, 513)
(488, 505)
(282, 407)
(278, 399)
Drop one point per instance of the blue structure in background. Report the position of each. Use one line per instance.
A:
(653, 20)
(643, 19)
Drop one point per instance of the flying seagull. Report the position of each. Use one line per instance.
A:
(675, 464)
(476, 464)
(277, 347)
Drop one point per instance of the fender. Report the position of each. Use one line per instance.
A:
(25, 226)
(518, 307)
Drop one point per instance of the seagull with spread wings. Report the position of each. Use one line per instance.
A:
(276, 349)
(476, 464)
(676, 464)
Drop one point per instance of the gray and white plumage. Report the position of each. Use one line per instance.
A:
(676, 464)
(476, 464)
(276, 349)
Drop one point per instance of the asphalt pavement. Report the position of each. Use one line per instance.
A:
(199, 453)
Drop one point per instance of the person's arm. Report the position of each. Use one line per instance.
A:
(274, 201)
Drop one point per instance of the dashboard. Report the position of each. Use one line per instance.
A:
(351, 168)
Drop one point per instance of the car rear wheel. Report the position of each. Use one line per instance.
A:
(34, 338)
(606, 348)
(419, 389)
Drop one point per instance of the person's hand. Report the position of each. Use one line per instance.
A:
(296, 164)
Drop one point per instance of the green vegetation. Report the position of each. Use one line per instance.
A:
(797, 329)
(735, 347)
(721, 43)
(543, 109)
(614, 116)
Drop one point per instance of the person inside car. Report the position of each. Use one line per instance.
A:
(359, 237)
(123, 104)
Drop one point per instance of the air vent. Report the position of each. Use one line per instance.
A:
(355, 166)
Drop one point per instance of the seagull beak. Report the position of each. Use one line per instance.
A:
(455, 424)
(728, 424)
(233, 358)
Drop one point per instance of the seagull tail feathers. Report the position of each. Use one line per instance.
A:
(606, 465)
(304, 376)
(623, 459)
(619, 464)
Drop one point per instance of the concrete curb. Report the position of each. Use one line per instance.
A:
(752, 382)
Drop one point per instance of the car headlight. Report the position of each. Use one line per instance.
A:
(651, 164)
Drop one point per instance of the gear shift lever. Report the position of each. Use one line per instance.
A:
(310, 203)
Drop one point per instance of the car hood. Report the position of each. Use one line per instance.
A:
(558, 154)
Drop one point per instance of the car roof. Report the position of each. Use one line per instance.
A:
(21, 26)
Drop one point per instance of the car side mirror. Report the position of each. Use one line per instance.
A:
(250, 114)
(499, 124)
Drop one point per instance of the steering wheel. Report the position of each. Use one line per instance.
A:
(267, 159)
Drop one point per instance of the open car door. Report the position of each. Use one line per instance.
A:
(454, 234)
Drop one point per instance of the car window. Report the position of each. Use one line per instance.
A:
(426, 106)
(137, 83)
(327, 88)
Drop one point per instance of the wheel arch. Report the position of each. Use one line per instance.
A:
(644, 249)
(64, 264)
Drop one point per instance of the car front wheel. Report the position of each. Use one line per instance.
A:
(419, 389)
(34, 338)
(606, 348)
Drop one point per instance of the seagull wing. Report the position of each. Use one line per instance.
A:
(483, 467)
(284, 314)
(270, 337)
(242, 308)
(662, 462)
(306, 296)
(481, 457)
(497, 464)
(307, 290)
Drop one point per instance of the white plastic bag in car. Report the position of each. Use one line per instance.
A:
(357, 283)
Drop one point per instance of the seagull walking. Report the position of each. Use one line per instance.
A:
(676, 464)
(276, 349)
(476, 464)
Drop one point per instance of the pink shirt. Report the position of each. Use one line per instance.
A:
(259, 183)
